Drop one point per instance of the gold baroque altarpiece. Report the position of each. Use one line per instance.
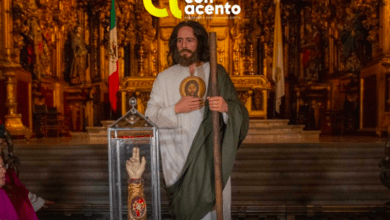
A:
(236, 51)
(55, 53)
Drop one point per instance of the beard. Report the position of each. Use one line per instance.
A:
(184, 60)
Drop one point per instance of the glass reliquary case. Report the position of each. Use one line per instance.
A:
(133, 130)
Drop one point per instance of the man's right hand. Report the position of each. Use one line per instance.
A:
(188, 104)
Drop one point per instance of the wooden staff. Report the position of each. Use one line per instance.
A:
(215, 117)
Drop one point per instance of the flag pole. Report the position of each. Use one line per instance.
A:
(215, 117)
(277, 60)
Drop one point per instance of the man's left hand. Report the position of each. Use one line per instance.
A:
(217, 103)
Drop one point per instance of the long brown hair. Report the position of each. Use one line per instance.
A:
(202, 38)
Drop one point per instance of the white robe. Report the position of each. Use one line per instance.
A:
(177, 131)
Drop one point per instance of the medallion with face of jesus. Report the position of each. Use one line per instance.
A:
(192, 86)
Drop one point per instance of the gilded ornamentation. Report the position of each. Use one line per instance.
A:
(145, 26)
(79, 63)
(313, 48)
(13, 120)
(251, 82)
(35, 27)
(244, 34)
(11, 93)
(358, 34)
(370, 9)
(125, 22)
(266, 20)
(236, 60)
(154, 57)
(36, 37)
(323, 39)
(95, 68)
(9, 68)
(236, 30)
(221, 52)
(125, 19)
(319, 14)
(243, 96)
(22, 12)
(251, 70)
(352, 33)
(312, 53)
(132, 83)
(236, 33)
(46, 52)
(64, 13)
(146, 39)
(258, 100)
(291, 13)
(141, 53)
(142, 100)
(101, 10)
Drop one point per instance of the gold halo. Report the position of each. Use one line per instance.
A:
(198, 80)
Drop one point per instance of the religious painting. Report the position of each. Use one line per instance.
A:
(192, 86)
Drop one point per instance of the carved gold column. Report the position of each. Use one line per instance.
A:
(154, 61)
(141, 61)
(121, 63)
(235, 59)
(251, 61)
(123, 100)
(13, 120)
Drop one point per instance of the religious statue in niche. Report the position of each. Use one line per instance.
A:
(38, 51)
(312, 54)
(46, 52)
(356, 50)
(79, 63)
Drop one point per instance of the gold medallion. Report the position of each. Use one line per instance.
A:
(192, 86)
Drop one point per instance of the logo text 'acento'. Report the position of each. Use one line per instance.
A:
(192, 9)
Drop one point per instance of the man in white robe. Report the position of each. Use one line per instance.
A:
(179, 118)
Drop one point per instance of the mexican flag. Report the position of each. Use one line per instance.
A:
(113, 78)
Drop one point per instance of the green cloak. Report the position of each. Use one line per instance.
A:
(192, 196)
